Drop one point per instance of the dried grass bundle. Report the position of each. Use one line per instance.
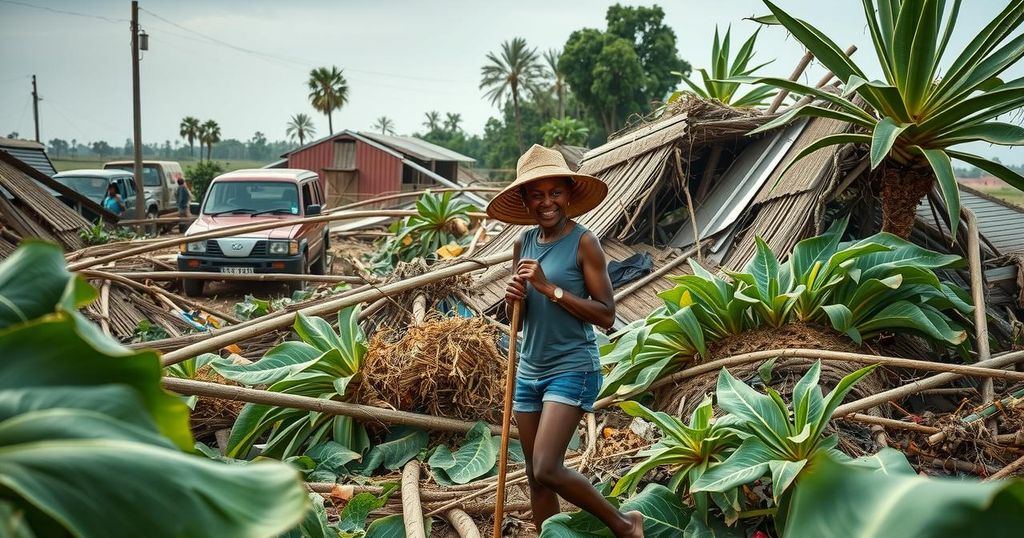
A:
(448, 367)
(212, 414)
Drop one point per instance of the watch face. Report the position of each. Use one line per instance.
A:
(558, 293)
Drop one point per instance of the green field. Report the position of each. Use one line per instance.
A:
(71, 164)
(1006, 194)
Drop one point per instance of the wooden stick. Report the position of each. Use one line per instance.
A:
(1009, 470)
(412, 510)
(105, 307)
(462, 523)
(419, 308)
(821, 83)
(890, 423)
(232, 335)
(986, 369)
(411, 194)
(506, 419)
(256, 277)
(480, 230)
(155, 291)
(978, 297)
(240, 229)
(797, 71)
(689, 202)
(368, 413)
(676, 262)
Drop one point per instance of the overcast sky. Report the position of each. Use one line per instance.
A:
(245, 63)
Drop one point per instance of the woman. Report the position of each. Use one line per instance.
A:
(560, 275)
(112, 201)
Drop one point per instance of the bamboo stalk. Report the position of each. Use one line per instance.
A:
(978, 297)
(987, 369)
(156, 290)
(506, 420)
(188, 387)
(1009, 470)
(462, 523)
(412, 194)
(993, 408)
(426, 495)
(160, 220)
(105, 307)
(412, 510)
(822, 82)
(232, 335)
(676, 262)
(797, 71)
(256, 277)
(890, 423)
(240, 229)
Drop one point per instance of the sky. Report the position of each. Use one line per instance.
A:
(245, 63)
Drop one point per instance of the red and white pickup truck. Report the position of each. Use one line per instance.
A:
(248, 196)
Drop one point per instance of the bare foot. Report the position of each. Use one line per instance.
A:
(637, 530)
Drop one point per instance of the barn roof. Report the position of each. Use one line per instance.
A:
(29, 152)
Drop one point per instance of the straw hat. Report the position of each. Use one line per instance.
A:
(541, 163)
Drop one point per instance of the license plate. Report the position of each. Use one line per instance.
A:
(236, 270)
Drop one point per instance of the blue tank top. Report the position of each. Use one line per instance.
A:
(110, 204)
(555, 341)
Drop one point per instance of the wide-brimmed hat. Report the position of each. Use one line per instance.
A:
(541, 163)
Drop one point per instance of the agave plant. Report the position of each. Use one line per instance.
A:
(776, 440)
(916, 117)
(321, 365)
(439, 221)
(716, 84)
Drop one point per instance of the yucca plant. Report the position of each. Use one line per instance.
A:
(440, 221)
(689, 450)
(916, 115)
(714, 298)
(715, 85)
(321, 365)
(776, 440)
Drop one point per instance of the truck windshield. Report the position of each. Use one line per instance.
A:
(93, 188)
(150, 173)
(251, 197)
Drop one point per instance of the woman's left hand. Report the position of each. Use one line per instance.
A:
(531, 271)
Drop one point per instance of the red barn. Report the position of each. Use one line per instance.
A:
(355, 166)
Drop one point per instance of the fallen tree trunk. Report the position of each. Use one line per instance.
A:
(235, 334)
(255, 277)
(412, 510)
(366, 413)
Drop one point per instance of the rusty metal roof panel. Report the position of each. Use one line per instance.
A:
(1000, 222)
(418, 148)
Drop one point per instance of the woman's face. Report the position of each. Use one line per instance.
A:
(111, 190)
(548, 199)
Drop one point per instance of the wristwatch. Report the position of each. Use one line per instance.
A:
(557, 294)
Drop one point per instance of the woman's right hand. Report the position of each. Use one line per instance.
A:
(515, 290)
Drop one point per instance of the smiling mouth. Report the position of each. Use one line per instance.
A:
(548, 214)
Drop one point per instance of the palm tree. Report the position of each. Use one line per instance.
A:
(301, 127)
(210, 136)
(189, 130)
(385, 125)
(452, 121)
(433, 120)
(518, 67)
(558, 84)
(328, 91)
(916, 119)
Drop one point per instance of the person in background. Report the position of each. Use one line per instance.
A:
(181, 198)
(112, 201)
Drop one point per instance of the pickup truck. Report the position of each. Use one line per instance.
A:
(259, 195)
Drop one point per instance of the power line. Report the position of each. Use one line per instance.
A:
(64, 12)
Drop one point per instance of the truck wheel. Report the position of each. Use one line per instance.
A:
(193, 288)
(298, 285)
(152, 229)
(319, 267)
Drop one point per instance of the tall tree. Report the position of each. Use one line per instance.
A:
(189, 130)
(301, 127)
(558, 85)
(625, 69)
(101, 148)
(433, 122)
(58, 146)
(504, 76)
(210, 136)
(452, 121)
(328, 91)
(385, 125)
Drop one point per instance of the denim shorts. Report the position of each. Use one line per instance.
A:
(578, 389)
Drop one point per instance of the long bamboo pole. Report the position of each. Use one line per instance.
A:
(987, 370)
(978, 298)
(243, 228)
(506, 417)
(253, 277)
(367, 413)
(412, 194)
(797, 71)
(676, 262)
(235, 334)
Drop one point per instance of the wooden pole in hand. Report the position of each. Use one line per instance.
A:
(506, 418)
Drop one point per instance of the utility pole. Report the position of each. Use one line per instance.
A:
(140, 193)
(35, 106)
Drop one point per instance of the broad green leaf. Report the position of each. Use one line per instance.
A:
(48, 453)
(758, 411)
(37, 353)
(34, 280)
(280, 362)
(832, 500)
(807, 398)
(748, 463)
(393, 527)
(664, 516)
(316, 332)
(473, 459)
(332, 457)
(835, 397)
(883, 136)
(314, 525)
(401, 445)
(783, 474)
(353, 517)
(943, 169)
(994, 168)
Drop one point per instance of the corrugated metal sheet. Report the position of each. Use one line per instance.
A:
(34, 212)
(315, 157)
(418, 148)
(344, 155)
(806, 174)
(1000, 222)
(30, 153)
